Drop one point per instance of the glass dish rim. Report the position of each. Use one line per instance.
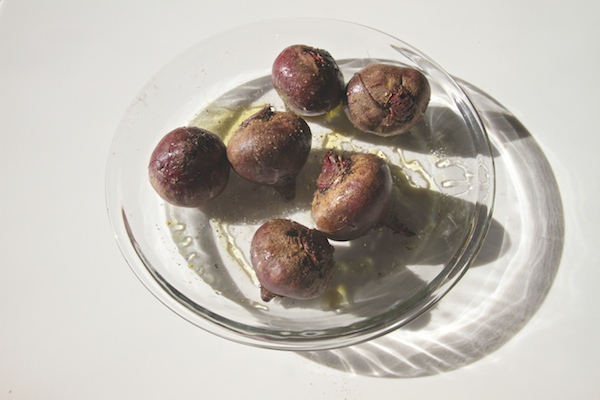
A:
(335, 337)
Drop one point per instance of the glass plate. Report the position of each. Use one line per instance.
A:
(196, 261)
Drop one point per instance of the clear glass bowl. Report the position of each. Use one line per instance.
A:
(196, 261)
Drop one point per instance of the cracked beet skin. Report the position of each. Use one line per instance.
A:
(189, 167)
(387, 100)
(291, 260)
(308, 80)
(353, 195)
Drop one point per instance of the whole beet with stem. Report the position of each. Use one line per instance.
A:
(189, 167)
(387, 100)
(291, 260)
(308, 80)
(353, 195)
(270, 148)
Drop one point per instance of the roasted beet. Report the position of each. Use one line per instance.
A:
(387, 100)
(189, 167)
(308, 80)
(291, 260)
(270, 148)
(353, 195)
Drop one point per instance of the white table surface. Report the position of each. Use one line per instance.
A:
(75, 322)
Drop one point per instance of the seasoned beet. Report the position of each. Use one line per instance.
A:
(308, 80)
(291, 260)
(387, 100)
(353, 195)
(270, 148)
(189, 167)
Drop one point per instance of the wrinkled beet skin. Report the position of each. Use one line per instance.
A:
(291, 260)
(353, 195)
(387, 100)
(308, 80)
(270, 148)
(189, 167)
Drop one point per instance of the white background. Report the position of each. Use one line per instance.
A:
(75, 323)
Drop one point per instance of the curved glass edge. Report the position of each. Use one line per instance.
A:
(333, 338)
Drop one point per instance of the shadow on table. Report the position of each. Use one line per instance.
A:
(515, 269)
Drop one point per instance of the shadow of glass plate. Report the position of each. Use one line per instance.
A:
(506, 285)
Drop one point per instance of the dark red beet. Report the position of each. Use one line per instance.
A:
(353, 195)
(270, 148)
(189, 167)
(308, 80)
(291, 260)
(387, 100)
